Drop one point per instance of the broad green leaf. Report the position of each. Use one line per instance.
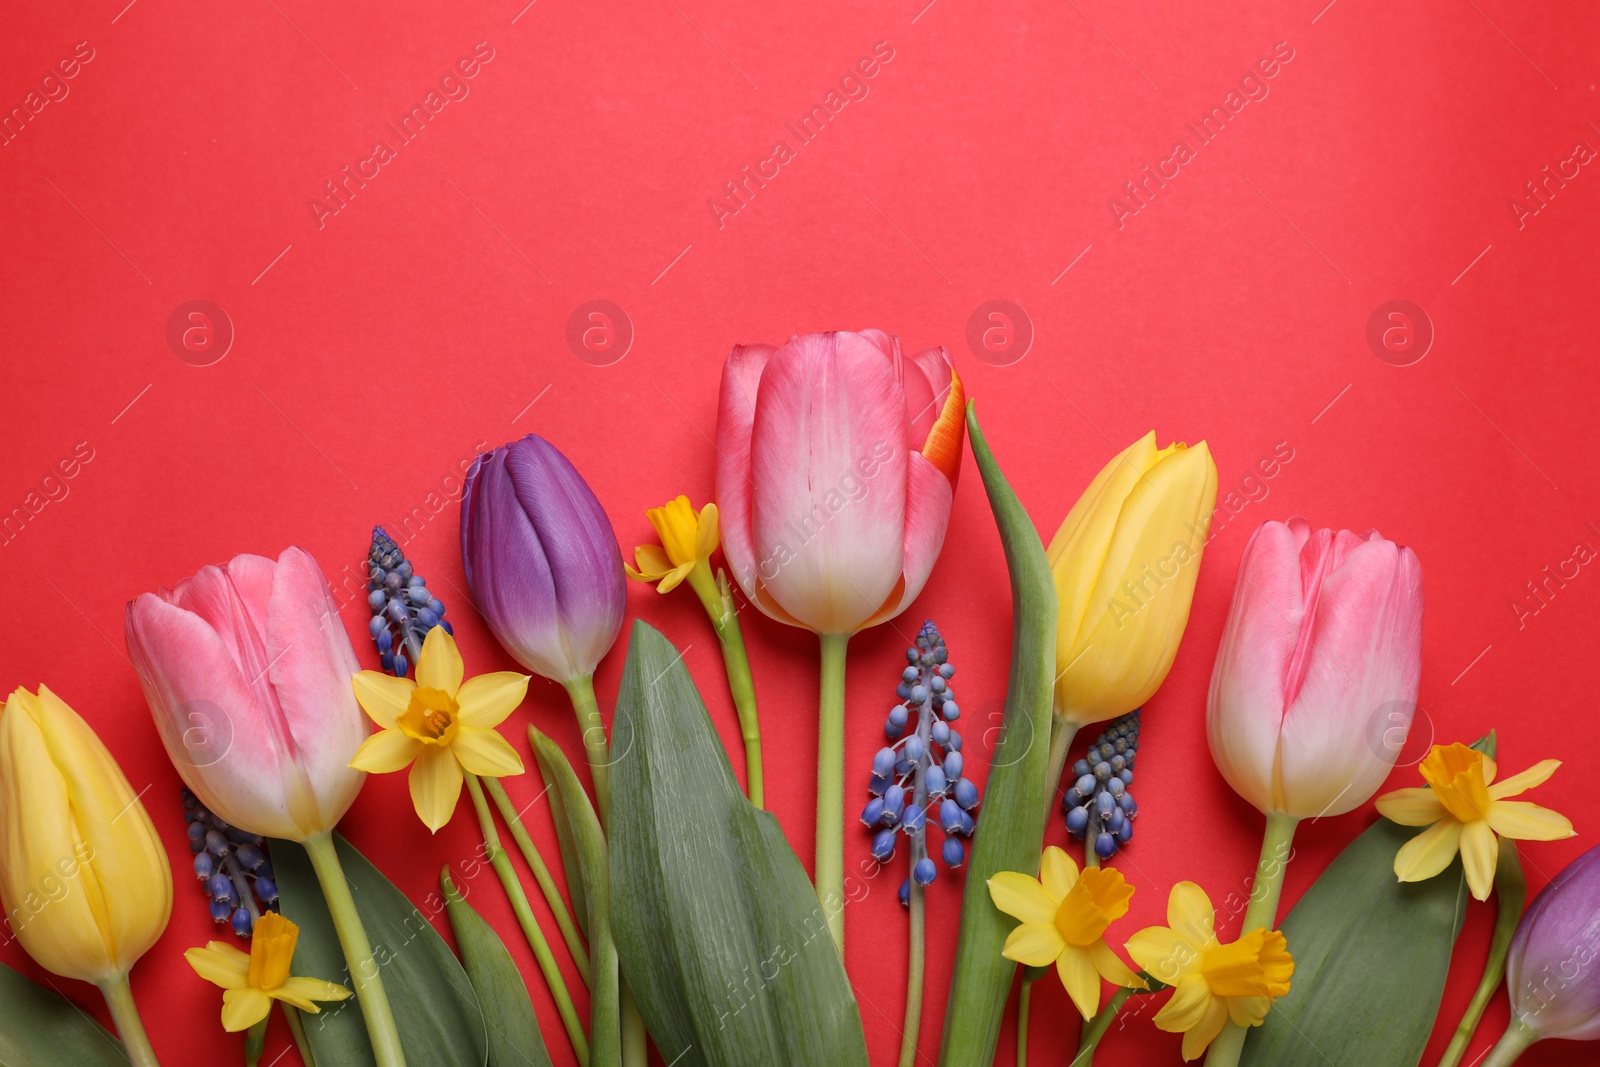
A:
(1371, 955)
(589, 842)
(1016, 795)
(707, 894)
(41, 1028)
(433, 1002)
(509, 1019)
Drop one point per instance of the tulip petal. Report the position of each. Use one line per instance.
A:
(929, 497)
(440, 667)
(1480, 851)
(938, 424)
(243, 1007)
(1522, 821)
(1022, 898)
(489, 699)
(386, 751)
(1430, 852)
(1057, 873)
(435, 786)
(507, 570)
(1414, 806)
(1033, 944)
(1080, 979)
(485, 753)
(736, 413)
(1538, 774)
(383, 696)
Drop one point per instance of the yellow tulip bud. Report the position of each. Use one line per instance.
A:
(83, 876)
(1125, 562)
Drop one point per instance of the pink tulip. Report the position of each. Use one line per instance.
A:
(248, 671)
(1315, 684)
(837, 465)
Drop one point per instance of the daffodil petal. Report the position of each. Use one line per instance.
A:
(385, 751)
(1198, 1039)
(1522, 821)
(1480, 851)
(489, 699)
(485, 752)
(1187, 1005)
(315, 989)
(1248, 1011)
(1022, 898)
(652, 561)
(1189, 912)
(1112, 969)
(383, 696)
(1162, 953)
(220, 964)
(294, 1000)
(1081, 980)
(439, 666)
(244, 1007)
(673, 578)
(435, 786)
(1411, 807)
(1034, 944)
(1538, 774)
(1429, 852)
(706, 535)
(1057, 873)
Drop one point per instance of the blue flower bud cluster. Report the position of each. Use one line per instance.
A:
(403, 610)
(917, 778)
(231, 866)
(1098, 805)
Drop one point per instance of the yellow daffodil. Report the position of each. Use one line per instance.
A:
(439, 725)
(1064, 916)
(1464, 811)
(687, 541)
(1212, 981)
(252, 982)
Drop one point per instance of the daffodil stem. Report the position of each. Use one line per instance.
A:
(914, 968)
(1061, 735)
(297, 1030)
(255, 1039)
(541, 874)
(364, 972)
(1511, 892)
(830, 785)
(581, 690)
(501, 862)
(1024, 999)
(1512, 1044)
(1096, 1028)
(718, 602)
(1260, 915)
(130, 1028)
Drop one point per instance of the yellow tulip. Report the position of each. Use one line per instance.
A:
(1125, 562)
(84, 878)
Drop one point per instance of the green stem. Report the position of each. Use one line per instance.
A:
(1260, 915)
(297, 1030)
(364, 972)
(1024, 999)
(255, 1039)
(914, 968)
(530, 926)
(1096, 1028)
(635, 1046)
(1061, 735)
(1511, 892)
(1513, 1043)
(581, 690)
(830, 785)
(130, 1028)
(541, 874)
(718, 602)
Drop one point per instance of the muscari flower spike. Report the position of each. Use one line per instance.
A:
(916, 779)
(231, 866)
(403, 610)
(1099, 802)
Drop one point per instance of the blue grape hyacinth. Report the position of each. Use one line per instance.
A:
(403, 609)
(1098, 803)
(917, 778)
(231, 866)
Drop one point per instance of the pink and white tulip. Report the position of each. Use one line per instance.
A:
(1315, 684)
(248, 672)
(837, 465)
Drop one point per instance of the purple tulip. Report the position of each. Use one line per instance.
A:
(1553, 969)
(541, 559)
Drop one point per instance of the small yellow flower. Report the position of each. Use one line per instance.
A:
(1064, 916)
(1464, 811)
(252, 982)
(1212, 981)
(687, 541)
(439, 725)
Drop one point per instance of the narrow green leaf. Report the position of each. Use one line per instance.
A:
(433, 1002)
(571, 868)
(721, 937)
(1016, 795)
(1371, 955)
(42, 1028)
(509, 1019)
(589, 841)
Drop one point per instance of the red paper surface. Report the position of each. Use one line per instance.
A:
(375, 348)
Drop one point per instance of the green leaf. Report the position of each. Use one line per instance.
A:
(508, 1015)
(1371, 955)
(589, 842)
(433, 1002)
(42, 1028)
(571, 867)
(720, 934)
(1016, 795)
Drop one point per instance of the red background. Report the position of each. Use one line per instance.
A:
(375, 354)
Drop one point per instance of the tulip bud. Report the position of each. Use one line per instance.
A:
(247, 670)
(1550, 970)
(1315, 684)
(1125, 562)
(541, 559)
(84, 878)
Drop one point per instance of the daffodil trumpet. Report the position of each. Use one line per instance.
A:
(688, 538)
(252, 981)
